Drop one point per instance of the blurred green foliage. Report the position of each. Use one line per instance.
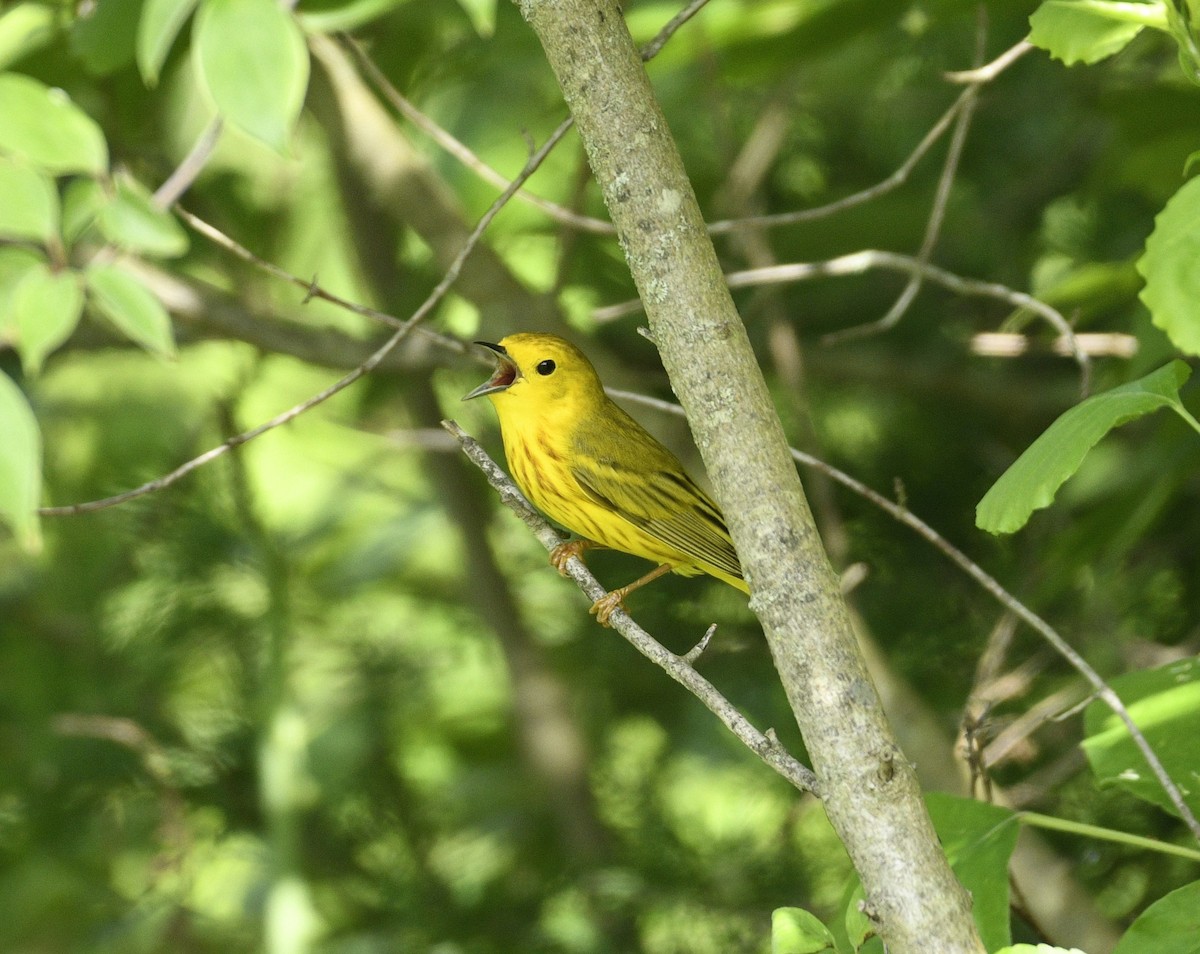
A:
(322, 694)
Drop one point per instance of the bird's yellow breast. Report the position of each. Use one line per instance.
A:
(539, 459)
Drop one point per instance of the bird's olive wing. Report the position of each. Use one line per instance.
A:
(661, 499)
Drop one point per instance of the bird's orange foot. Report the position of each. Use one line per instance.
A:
(564, 551)
(608, 604)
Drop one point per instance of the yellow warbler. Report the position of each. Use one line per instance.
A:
(592, 468)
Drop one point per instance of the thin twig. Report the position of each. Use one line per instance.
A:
(933, 227)
(310, 286)
(342, 383)
(697, 651)
(463, 153)
(471, 160)
(654, 47)
(896, 179)
(856, 263)
(903, 515)
(677, 667)
(989, 71)
(179, 181)
(937, 213)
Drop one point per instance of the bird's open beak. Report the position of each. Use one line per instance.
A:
(505, 374)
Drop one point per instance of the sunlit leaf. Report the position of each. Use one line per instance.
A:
(796, 931)
(45, 310)
(858, 926)
(132, 221)
(28, 202)
(482, 14)
(1171, 268)
(1086, 31)
(24, 28)
(1165, 704)
(15, 263)
(345, 16)
(1034, 478)
(83, 200)
(131, 307)
(157, 29)
(1171, 925)
(253, 61)
(20, 464)
(43, 125)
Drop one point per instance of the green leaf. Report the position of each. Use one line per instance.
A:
(43, 125)
(1086, 31)
(24, 29)
(15, 264)
(28, 202)
(253, 61)
(103, 38)
(129, 305)
(132, 221)
(346, 16)
(1038, 949)
(45, 310)
(82, 202)
(482, 14)
(796, 931)
(858, 926)
(20, 464)
(1165, 704)
(978, 840)
(1171, 925)
(1172, 290)
(159, 26)
(1032, 481)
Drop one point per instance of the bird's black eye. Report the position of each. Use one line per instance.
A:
(545, 367)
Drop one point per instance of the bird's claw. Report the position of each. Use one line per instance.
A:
(608, 604)
(564, 551)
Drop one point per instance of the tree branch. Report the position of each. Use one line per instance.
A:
(869, 790)
(679, 668)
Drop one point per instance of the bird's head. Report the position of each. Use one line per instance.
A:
(538, 370)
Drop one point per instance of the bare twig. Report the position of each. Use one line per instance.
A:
(896, 179)
(901, 514)
(1032, 719)
(471, 160)
(989, 71)
(179, 181)
(342, 383)
(698, 650)
(463, 153)
(652, 49)
(856, 263)
(310, 286)
(933, 226)
(678, 668)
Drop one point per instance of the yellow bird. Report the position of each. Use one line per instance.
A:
(589, 466)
